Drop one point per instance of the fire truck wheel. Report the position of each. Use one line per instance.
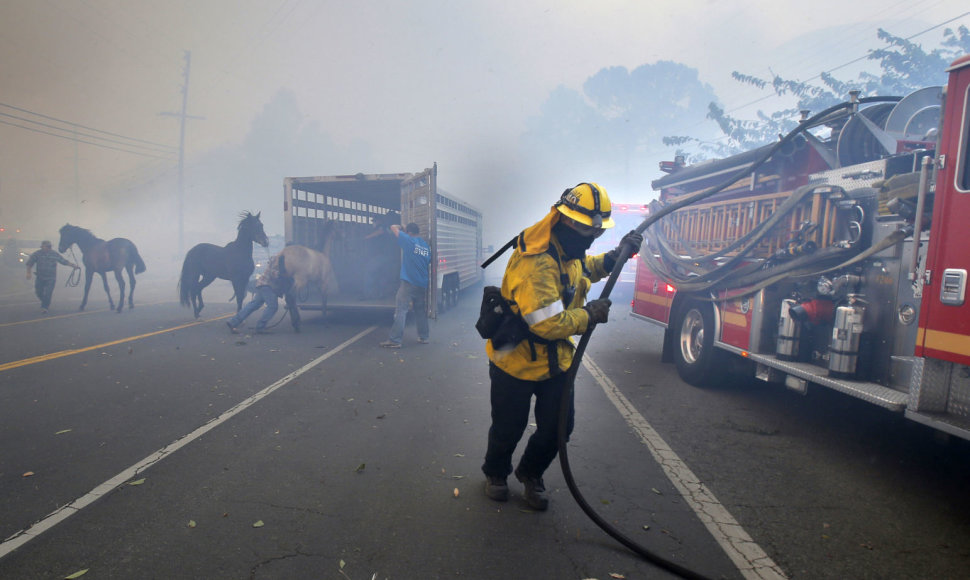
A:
(693, 344)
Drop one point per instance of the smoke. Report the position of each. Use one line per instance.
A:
(606, 132)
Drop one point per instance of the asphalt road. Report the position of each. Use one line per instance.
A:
(150, 445)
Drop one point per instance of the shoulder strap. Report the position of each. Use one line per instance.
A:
(563, 277)
(501, 251)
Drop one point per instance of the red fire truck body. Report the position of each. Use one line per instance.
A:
(841, 260)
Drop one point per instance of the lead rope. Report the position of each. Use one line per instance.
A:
(74, 278)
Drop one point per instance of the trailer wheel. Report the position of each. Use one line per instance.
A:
(693, 343)
(449, 292)
(453, 295)
(443, 297)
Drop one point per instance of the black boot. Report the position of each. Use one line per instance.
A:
(535, 491)
(497, 488)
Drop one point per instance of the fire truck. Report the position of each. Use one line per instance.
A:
(836, 257)
(346, 217)
(626, 216)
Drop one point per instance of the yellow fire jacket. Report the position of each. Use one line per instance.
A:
(534, 282)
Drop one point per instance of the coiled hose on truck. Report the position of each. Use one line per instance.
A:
(625, 252)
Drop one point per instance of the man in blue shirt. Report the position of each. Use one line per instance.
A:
(415, 260)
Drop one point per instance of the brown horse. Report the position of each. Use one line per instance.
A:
(101, 257)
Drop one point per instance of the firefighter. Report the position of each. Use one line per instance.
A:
(545, 282)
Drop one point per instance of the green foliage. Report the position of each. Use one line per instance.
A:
(904, 66)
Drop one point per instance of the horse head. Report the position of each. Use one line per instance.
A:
(253, 228)
(66, 238)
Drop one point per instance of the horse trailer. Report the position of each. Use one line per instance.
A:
(346, 217)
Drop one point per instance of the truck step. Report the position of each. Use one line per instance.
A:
(945, 422)
(872, 392)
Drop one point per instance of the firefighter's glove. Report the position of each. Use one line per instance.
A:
(598, 310)
(632, 239)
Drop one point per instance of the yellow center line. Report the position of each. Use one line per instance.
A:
(17, 294)
(63, 353)
(81, 313)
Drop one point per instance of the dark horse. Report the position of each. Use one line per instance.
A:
(102, 257)
(234, 262)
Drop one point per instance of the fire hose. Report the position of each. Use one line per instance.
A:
(624, 254)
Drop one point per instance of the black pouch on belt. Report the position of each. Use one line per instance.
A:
(498, 322)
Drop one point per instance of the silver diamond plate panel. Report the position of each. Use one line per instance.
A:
(931, 392)
(861, 175)
(959, 401)
(872, 392)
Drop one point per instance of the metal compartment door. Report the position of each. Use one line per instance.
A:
(418, 199)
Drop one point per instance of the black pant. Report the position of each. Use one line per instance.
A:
(44, 289)
(511, 399)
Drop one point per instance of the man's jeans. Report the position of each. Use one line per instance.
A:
(264, 295)
(44, 288)
(407, 294)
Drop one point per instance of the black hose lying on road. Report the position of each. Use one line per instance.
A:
(625, 252)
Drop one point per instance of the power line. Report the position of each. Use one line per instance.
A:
(75, 134)
(68, 138)
(853, 61)
(41, 115)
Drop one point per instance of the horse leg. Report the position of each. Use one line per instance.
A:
(88, 275)
(197, 294)
(121, 285)
(131, 293)
(239, 287)
(104, 280)
(293, 309)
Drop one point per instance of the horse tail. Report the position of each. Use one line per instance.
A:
(139, 263)
(186, 283)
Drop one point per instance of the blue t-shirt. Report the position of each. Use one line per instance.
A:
(415, 259)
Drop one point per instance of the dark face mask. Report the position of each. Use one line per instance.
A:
(573, 243)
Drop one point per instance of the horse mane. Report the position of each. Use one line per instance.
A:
(78, 231)
(243, 216)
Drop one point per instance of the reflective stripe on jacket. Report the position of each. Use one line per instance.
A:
(533, 282)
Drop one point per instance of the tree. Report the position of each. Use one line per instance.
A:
(612, 128)
(904, 67)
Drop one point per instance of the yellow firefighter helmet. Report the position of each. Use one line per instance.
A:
(588, 204)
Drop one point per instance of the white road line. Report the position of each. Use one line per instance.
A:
(23, 536)
(751, 560)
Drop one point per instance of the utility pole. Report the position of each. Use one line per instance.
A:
(182, 117)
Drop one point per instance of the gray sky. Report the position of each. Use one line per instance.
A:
(412, 82)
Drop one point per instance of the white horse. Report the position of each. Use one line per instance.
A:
(309, 269)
